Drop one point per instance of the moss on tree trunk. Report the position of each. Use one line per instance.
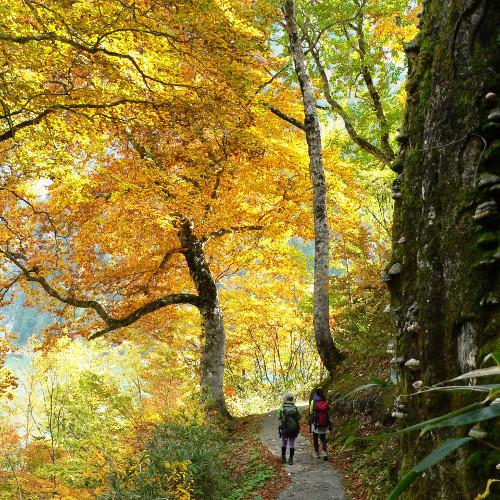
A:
(445, 296)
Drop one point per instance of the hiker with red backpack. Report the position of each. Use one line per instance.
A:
(289, 428)
(320, 421)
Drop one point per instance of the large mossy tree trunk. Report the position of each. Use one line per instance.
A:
(444, 271)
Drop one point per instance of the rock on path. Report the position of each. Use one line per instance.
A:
(312, 479)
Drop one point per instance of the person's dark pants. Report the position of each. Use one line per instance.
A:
(322, 437)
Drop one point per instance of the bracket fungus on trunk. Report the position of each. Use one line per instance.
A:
(399, 414)
(494, 115)
(391, 347)
(397, 165)
(391, 273)
(397, 361)
(478, 432)
(396, 188)
(489, 183)
(413, 364)
(484, 210)
(412, 45)
(402, 136)
(395, 269)
(413, 328)
(399, 409)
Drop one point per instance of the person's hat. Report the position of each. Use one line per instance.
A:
(288, 397)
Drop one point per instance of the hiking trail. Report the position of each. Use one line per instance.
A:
(311, 478)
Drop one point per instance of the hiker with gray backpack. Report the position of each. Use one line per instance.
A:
(289, 428)
(320, 421)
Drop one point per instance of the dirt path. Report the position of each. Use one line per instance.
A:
(312, 479)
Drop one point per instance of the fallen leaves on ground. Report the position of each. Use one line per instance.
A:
(251, 462)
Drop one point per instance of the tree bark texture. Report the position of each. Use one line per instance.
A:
(327, 350)
(214, 349)
(444, 271)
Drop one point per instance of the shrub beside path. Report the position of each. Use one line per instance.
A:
(311, 478)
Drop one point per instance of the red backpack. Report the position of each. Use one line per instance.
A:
(320, 415)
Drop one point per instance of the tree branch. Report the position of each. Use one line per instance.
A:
(111, 322)
(155, 305)
(376, 101)
(8, 286)
(35, 211)
(66, 107)
(93, 50)
(222, 232)
(273, 77)
(285, 117)
(337, 108)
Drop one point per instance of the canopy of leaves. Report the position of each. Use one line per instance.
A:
(119, 122)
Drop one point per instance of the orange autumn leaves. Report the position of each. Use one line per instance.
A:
(147, 116)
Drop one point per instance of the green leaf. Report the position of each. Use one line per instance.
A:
(379, 381)
(478, 388)
(360, 388)
(468, 418)
(496, 357)
(417, 426)
(433, 458)
(482, 372)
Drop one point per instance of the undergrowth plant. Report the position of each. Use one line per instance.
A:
(182, 459)
(481, 411)
(196, 456)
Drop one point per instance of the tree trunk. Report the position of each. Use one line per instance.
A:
(444, 271)
(327, 350)
(214, 349)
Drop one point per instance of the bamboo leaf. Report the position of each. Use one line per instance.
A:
(360, 388)
(496, 357)
(433, 458)
(468, 418)
(379, 381)
(493, 355)
(478, 388)
(416, 426)
(481, 372)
